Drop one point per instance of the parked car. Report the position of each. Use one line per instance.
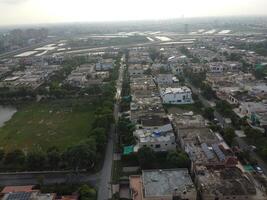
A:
(258, 169)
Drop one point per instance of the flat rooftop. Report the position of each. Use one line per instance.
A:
(159, 183)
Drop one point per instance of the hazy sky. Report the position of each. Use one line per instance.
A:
(42, 11)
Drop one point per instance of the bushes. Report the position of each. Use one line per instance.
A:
(178, 159)
(79, 156)
(209, 113)
(125, 130)
(148, 159)
(87, 193)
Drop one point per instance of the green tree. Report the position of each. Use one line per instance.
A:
(15, 158)
(209, 113)
(36, 160)
(81, 156)
(263, 152)
(100, 136)
(2, 154)
(53, 158)
(178, 159)
(260, 73)
(87, 193)
(207, 92)
(125, 129)
(154, 54)
(146, 157)
(224, 108)
(229, 135)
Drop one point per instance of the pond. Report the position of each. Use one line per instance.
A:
(6, 112)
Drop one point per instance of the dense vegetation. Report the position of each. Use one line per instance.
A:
(60, 133)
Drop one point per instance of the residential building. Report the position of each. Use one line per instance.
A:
(165, 184)
(181, 95)
(137, 70)
(104, 65)
(229, 183)
(177, 70)
(25, 193)
(255, 111)
(164, 79)
(160, 139)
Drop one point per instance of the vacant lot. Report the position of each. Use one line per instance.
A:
(47, 124)
(172, 109)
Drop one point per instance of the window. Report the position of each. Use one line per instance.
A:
(157, 146)
(166, 144)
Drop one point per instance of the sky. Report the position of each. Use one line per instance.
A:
(52, 11)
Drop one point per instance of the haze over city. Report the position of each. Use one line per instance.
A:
(53, 11)
(133, 99)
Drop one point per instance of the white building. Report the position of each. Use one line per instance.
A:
(181, 95)
(161, 139)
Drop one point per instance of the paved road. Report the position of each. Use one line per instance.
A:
(197, 91)
(47, 178)
(104, 188)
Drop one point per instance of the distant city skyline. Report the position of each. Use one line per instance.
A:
(53, 11)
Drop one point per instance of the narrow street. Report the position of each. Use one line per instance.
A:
(104, 187)
(105, 174)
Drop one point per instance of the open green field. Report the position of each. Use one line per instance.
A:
(60, 123)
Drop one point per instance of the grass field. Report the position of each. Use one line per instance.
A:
(55, 123)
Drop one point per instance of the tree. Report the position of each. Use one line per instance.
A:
(146, 157)
(263, 152)
(125, 129)
(36, 160)
(81, 156)
(53, 158)
(260, 73)
(209, 113)
(87, 193)
(15, 158)
(100, 136)
(178, 159)
(253, 134)
(224, 108)
(207, 92)
(229, 135)
(154, 54)
(2, 154)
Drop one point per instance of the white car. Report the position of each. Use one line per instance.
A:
(258, 169)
